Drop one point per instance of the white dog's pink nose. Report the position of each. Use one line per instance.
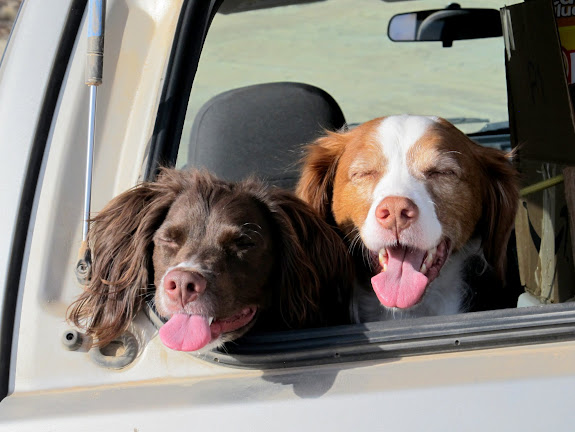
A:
(396, 213)
(184, 286)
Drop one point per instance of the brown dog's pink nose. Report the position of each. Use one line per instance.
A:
(184, 286)
(396, 213)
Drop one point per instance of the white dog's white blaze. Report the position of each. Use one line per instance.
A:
(396, 135)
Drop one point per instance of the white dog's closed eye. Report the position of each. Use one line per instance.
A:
(424, 198)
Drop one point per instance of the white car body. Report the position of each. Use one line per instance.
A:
(524, 386)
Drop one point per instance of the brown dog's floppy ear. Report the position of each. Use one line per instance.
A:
(120, 237)
(315, 185)
(500, 201)
(315, 270)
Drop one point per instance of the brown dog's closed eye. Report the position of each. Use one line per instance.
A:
(221, 256)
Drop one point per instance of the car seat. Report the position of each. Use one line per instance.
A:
(261, 129)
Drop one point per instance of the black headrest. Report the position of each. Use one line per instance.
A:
(260, 129)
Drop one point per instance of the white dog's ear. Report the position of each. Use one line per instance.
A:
(315, 185)
(500, 201)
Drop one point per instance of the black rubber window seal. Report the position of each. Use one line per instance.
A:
(191, 30)
(396, 339)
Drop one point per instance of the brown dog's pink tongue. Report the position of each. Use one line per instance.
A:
(186, 332)
(401, 285)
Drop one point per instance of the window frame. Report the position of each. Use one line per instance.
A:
(192, 28)
(43, 123)
(359, 342)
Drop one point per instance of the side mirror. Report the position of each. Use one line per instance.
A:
(445, 25)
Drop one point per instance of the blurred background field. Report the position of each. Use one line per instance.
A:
(8, 11)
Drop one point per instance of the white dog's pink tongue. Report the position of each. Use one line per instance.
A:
(186, 332)
(401, 285)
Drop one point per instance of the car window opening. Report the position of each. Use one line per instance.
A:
(258, 95)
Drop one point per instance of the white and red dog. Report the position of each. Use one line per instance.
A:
(415, 199)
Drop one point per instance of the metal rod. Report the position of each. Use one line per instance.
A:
(89, 160)
(94, 70)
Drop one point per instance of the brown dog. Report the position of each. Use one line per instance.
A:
(219, 255)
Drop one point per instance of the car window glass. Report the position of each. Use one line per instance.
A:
(342, 47)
